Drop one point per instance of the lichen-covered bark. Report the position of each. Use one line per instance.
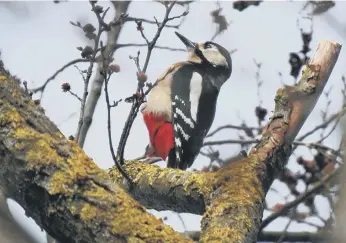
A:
(166, 189)
(234, 196)
(59, 186)
(236, 205)
(75, 201)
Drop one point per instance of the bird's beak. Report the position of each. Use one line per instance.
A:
(189, 44)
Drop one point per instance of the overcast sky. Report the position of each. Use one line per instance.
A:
(37, 39)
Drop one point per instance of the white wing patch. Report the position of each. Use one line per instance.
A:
(185, 118)
(177, 98)
(186, 137)
(176, 139)
(177, 143)
(195, 93)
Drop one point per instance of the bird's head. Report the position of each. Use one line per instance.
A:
(210, 53)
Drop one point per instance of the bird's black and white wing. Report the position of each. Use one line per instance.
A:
(189, 132)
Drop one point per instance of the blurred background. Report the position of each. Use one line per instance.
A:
(268, 41)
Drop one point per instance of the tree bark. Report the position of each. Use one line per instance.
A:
(233, 197)
(10, 230)
(59, 186)
(166, 189)
(75, 201)
(98, 80)
(275, 236)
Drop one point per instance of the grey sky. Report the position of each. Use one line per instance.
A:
(37, 39)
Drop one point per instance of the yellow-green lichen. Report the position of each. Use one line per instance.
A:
(11, 116)
(2, 77)
(200, 182)
(88, 212)
(239, 192)
(222, 235)
(71, 173)
(281, 94)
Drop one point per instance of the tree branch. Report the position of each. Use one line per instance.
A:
(43, 87)
(237, 216)
(268, 236)
(299, 199)
(75, 201)
(235, 206)
(97, 83)
(118, 46)
(59, 186)
(166, 189)
(10, 230)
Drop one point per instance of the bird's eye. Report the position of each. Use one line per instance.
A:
(207, 45)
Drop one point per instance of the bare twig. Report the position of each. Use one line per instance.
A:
(317, 146)
(75, 95)
(128, 19)
(101, 28)
(118, 46)
(230, 141)
(336, 116)
(299, 199)
(98, 80)
(140, 95)
(241, 127)
(269, 236)
(107, 75)
(43, 87)
(182, 222)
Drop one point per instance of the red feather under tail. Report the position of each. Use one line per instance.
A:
(161, 135)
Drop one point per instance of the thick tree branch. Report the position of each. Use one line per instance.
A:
(10, 230)
(166, 189)
(67, 194)
(268, 236)
(59, 186)
(237, 204)
(234, 208)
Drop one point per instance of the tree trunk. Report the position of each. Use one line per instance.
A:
(74, 201)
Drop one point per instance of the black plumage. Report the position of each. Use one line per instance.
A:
(189, 133)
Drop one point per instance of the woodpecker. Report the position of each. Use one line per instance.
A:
(180, 108)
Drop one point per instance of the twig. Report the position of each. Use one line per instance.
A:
(230, 141)
(140, 95)
(158, 33)
(75, 95)
(323, 137)
(299, 199)
(118, 46)
(109, 126)
(101, 28)
(43, 87)
(120, 8)
(323, 125)
(317, 146)
(244, 128)
(66, 119)
(285, 232)
(182, 222)
(213, 156)
(259, 82)
(139, 27)
(116, 103)
(269, 236)
(128, 19)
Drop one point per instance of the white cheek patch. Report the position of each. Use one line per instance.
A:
(215, 57)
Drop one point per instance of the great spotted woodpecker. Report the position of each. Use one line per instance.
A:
(180, 108)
